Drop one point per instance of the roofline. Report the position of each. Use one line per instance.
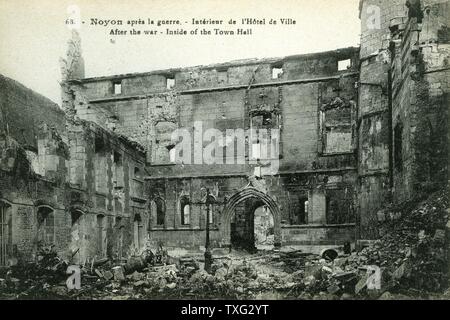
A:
(235, 63)
(12, 81)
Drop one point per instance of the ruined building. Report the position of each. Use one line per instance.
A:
(354, 130)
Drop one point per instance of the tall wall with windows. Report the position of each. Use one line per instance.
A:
(64, 183)
(403, 104)
(306, 105)
(298, 150)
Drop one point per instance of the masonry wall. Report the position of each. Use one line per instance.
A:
(374, 113)
(403, 104)
(312, 102)
(24, 111)
(50, 184)
(420, 102)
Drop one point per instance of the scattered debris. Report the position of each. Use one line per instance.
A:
(410, 256)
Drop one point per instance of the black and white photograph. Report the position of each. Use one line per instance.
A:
(272, 150)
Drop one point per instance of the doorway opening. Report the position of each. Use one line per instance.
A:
(252, 227)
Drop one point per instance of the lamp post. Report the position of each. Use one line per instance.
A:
(208, 255)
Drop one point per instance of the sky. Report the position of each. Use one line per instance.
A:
(34, 34)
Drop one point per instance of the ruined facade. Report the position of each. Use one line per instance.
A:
(307, 97)
(64, 183)
(349, 130)
(403, 104)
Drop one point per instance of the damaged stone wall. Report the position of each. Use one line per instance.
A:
(23, 112)
(74, 208)
(403, 106)
(420, 71)
(311, 101)
(48, 181)
(374, 120)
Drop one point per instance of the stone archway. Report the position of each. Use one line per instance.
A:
(239, 197)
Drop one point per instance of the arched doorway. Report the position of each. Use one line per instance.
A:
(241, 234)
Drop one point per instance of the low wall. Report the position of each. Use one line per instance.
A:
(194, 239)
(318, 234)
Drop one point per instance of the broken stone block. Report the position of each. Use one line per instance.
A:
(340, 262)
(119, 273)
(422, 235)
(439, 236)
(346, 296)
(381, 215)
(399, 272)
(171, 285)
(309, 281)
(221, 273)
(333, 289)
(337, 270)
(136, 276)
(386, 296)
(59, 290)
(344, 276)
(312, 270)
(162, 283)
(98, 273)
(108, 275)
(362, 283)
(327, 270)
(12, 262)
(324, 296)
(138, 284)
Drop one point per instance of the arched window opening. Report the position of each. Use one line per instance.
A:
(137, 173)
(160, 212)
(185, 208)
(46, 226)
(101, 236)
(76, 234)
(120, 242)
(302, 212)
(5, 233)
(138, 232)
(75, 217)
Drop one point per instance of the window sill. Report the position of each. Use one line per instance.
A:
(138, 199)
(76, 187)
(319, 226)
(163, 165)
(212, 228)
(337, 154)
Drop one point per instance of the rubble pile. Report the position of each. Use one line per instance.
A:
(410, 255)
(409, 260)
(35, 280)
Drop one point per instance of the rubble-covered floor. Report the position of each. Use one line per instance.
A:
(411, 252)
